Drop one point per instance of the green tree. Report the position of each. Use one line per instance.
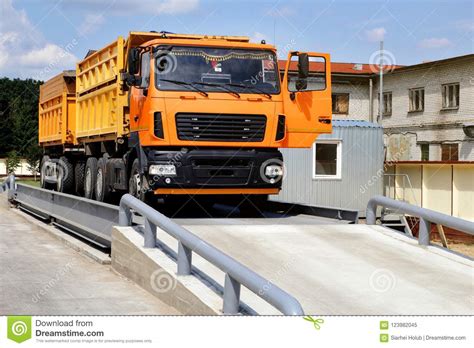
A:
(18, 115)
(12, 162)
(33, 158)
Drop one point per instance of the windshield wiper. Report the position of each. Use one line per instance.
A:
(234, 93)
(258, 90)
(187, 84)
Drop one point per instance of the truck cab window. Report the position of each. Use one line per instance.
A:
(212, 68)
(145, 69)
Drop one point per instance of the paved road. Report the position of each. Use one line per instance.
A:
(40, 275)
(342, 269)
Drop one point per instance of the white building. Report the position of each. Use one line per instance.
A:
(429, 111)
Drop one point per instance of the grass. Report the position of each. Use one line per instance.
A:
(30, 182)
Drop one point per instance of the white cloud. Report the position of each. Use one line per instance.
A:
(173, 6)
(257, 37)
(465, 25)
(45, 56)
(435, 43)
(126, 7)
(24, 50)
(91, 23)
(285, 11)
(376, 34)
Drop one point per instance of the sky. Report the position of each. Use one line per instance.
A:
(40, 38)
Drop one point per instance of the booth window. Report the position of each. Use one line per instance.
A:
(327, 159)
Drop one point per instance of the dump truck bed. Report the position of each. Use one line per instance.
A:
(102, 104)
(57, 110)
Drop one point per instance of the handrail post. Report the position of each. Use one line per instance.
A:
(231, 295)
(150, 234)
(11, 185)
(370, 213)
(424, 232)
(125, 215)
(184, 259)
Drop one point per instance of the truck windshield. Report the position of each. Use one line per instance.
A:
(240, 71)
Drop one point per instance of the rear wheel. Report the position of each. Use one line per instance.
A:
(102, 189)
(90, 177)
(43, 173)
(65, 181)
(137, 184)
(79, 173)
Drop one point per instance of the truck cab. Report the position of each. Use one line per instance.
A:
(209, 113)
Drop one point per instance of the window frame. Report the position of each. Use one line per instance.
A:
(450, 152)
(385, 112)
(411, 94)
(338, 175)
(348, 103)
(457, 99)
(422, 145)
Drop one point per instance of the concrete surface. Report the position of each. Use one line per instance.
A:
(155, 272)
(343, 269)
(330, 268)
(40, 275)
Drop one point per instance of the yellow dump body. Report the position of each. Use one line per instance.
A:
(101, 103)
(57, 110)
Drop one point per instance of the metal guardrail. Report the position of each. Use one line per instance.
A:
(89, 219)
(8, 185)
(236, 274)
(427, 217)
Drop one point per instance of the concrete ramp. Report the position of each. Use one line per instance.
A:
(343, 269)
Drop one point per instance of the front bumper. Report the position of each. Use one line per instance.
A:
(208, 170)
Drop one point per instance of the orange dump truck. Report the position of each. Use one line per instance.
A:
(171, 115)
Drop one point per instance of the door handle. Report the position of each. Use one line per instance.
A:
(325, 120)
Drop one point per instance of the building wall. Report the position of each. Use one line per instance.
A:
(431, 125)
(361, 171)
(359, 106)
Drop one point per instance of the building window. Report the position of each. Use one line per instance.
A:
(387, 104)
(417, 99)
(451, 96)
(327, 159)
(449, 152)
(425, 152)
(340, 103)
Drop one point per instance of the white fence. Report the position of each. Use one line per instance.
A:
(21, 170)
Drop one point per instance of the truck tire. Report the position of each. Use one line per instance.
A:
(43, 182)
(137, 185)
(102, 189)
(65, 175)
(89, 177)
(79, 173)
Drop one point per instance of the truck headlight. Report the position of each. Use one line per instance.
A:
(273, 171)
(162, 169)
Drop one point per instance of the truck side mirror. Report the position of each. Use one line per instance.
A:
(133, 61)
(303, 72)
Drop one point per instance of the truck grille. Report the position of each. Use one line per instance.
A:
(215, 127)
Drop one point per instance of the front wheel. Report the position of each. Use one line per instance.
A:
(137, 184)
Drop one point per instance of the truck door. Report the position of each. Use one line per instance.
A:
(306, 91)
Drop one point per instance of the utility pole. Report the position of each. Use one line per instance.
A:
(379, 118)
